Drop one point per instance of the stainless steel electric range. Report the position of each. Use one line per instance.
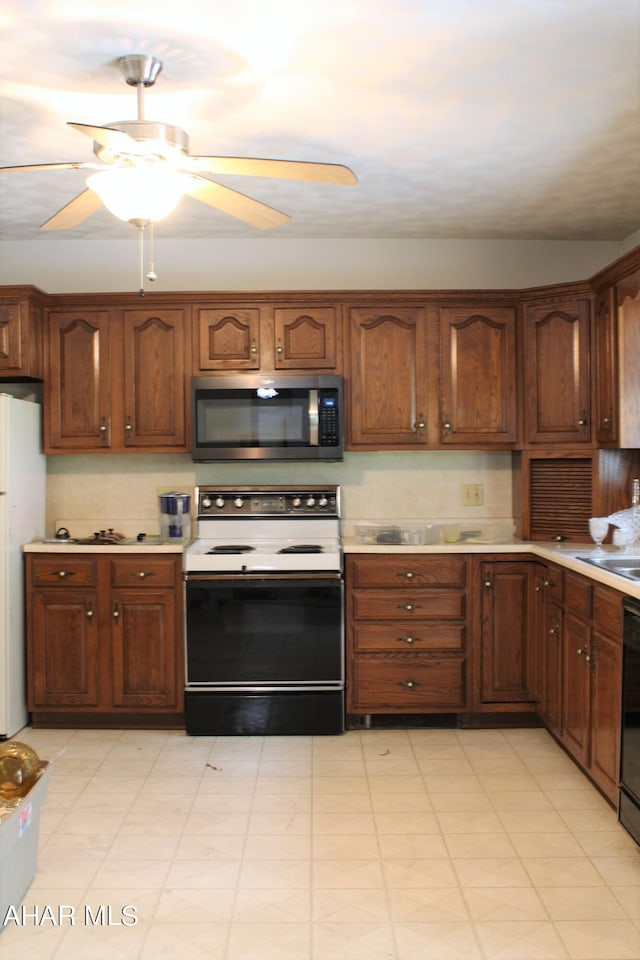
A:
(264, 612)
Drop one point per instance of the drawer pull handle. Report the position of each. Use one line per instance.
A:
(408, 606)
(408, 684)
(142, 574)
(64, 573)
(409, 639)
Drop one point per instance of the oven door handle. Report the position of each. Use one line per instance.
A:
(313, 418)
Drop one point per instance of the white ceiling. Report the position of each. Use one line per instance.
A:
(461, 118)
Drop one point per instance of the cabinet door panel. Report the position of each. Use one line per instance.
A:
(11, 333)
(306, 339)
(227, 338)
(576, 688)
(77, 390)
(154, 364)
(508, 617)
(606, 710)
(388, 378)
(144, 649)
(478, 376)
(557, 407)
(64, 667)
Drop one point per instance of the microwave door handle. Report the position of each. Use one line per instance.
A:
(313, 418)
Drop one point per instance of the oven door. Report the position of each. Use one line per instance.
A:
(265, 655)
(251, 631)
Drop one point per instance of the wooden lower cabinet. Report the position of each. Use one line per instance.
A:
(406, 633)
(104, 639)
(592, 680)
(550, 587)
(506, 656)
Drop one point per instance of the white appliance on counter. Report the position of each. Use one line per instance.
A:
(22, 518)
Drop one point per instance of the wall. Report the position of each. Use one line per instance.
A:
(88, 493)
(64, 265)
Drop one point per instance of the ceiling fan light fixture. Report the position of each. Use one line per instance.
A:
(140, 194)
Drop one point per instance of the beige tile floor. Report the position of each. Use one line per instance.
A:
(377, 845)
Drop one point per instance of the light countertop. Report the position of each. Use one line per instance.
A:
(151, 545)
(561, 553)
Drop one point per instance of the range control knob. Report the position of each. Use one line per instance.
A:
(219, 503)
(205, 502)
(311, 502)
(322, 502)
(296, 501)
(238, 502)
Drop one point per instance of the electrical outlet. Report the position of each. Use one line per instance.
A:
(472, 494)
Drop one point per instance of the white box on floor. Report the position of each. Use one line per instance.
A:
(19, 835)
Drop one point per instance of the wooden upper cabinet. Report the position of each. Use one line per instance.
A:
(478, 376)
(388, 378)
(116, 381)
(20, 335)
(234, 338)
(605, 393)
(556, 367)
(226, 339)
(306, 338)
(77, 402)
(153, 388)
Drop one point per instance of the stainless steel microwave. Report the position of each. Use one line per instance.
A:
(261, 417)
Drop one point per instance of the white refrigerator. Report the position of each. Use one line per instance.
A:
(22, 518)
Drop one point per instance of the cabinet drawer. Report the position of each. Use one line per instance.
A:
(409, 683)
(419, 570)
(407, 605)
(61, 568)
(400, 637)
(143, 571)
(607, 612)
(578, 595)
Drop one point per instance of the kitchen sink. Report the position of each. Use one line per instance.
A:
(628, 567)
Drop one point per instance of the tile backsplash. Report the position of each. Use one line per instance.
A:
(86, 493)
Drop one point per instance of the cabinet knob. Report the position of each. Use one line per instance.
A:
(128, 427)
(104, 430)
(408, 684)
(116, 612)
(408, 606)
(408, 575)
(446, 424)
(142, 574)
(90, 613)
(409, 639)
(420, 423)
(582, 422)
(64, 573)
(254, 347)
(488, 584)
(279, 348)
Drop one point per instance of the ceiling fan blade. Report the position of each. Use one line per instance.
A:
(285, 169)
(74, 212)
(236, 204)
(115, 140)
(73, 165)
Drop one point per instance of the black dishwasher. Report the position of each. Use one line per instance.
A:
(629, 810)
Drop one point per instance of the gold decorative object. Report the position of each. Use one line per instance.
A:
(19, 769)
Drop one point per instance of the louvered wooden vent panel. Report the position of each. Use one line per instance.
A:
(560, 499)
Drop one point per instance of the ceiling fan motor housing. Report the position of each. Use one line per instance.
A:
(140, 68)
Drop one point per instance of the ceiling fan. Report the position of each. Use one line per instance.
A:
(145, 168)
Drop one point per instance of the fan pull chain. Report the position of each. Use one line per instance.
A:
(141, 260)
(152, 275)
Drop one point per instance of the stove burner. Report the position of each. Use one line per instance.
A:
(302, 548)
(231, 548)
